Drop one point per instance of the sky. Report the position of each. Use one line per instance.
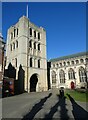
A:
(64, 22)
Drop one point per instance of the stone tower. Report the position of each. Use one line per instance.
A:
(26, 46)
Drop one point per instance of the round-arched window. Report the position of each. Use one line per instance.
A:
(82, 74)
(53, 77)
(71, 74)
(62, 76)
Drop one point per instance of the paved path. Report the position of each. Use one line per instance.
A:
(42, 105)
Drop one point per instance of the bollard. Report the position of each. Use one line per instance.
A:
(61, 91)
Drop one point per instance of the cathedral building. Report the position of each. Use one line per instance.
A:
(26, 47)
(69, 71)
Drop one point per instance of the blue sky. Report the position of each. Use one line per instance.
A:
(65, 24)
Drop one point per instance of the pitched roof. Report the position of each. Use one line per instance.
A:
(69, 56)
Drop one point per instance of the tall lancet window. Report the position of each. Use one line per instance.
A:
(62, 76)
(16, 44)
(30, 43)
(30, 62)
(53, 77)
(82, 75)
(38, 36)
(16, 62)
(39, 46)
(34, 34)
(13, 45)
(71, 74)
(14, 32)
(17, 31)
(30, 31)
(34, 45)
(38, 63)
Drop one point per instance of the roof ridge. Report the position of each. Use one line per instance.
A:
(69, 56)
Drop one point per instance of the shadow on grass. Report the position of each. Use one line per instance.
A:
(37, 107)
(78, 112)
(63, 111)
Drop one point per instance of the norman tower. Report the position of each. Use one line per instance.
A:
(26, 46)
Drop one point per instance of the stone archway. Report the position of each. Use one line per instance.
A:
(33, 82)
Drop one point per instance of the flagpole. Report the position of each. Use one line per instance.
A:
(27, 12)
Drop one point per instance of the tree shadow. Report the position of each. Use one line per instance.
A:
(10, 77)
(19, 84)
(8, 81)
(54, 109)
(36, 108)
(78, 112)
(10, 72)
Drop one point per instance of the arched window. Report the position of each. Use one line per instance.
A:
(62, 76)
(81, 61)
(53, 77)
(16, 62)
(34, 34)
(17, 31)
(14, 32)
(30, 31)
(57, 65)
(13, 45)
(86, 60)
(38, 36)
(16, 44)
(39, 46)
(82, 74)
(77, 61)
(30, 62)
(34, 45)
(71, 74)
(68, 63)
(64, 63)
(38, 63)
(72, 62)
(30, 43)
(60, 64)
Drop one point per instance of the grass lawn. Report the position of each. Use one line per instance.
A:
(76, 95)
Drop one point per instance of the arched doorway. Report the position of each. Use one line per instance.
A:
(33, 82)
(72, 85)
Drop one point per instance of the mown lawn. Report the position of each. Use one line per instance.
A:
(76, 95)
